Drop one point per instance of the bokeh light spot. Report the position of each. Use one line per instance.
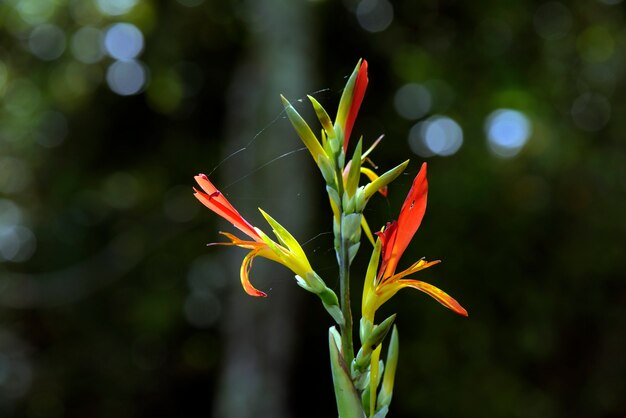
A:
(123, 41)
(22, 98)
(10, 213)
(374, 15)
(552, 20)
(35, 12)
(438, 135)
(507, 132)
(86, 45)
(52, 129)
(121, 190)
(596, 44)
(4, 76)
(115, 7)
(47, 42)
(15, 175)
(412, 101)
(202, 309)
(126, 77)
(17, 243)
(591, 112)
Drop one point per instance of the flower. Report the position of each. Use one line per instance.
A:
(351, 100)
(392, 242)
(288, 252)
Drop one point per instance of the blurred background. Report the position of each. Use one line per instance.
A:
(112, 305)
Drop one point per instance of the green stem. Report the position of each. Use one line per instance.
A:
(344, 284)
(344, 290)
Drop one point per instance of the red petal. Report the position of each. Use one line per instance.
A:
(220, 205)
(387, 240)
(360, 86)
(410, 218)
(212, 191)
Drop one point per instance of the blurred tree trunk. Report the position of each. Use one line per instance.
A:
(259, 332)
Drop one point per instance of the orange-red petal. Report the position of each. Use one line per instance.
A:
(215, 200)
(360, 86)
(245, 275)
(410, 218)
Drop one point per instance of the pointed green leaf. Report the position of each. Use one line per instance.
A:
(346, 98)
(355, 170)
(323, 117)
(284, 236)
(386, 391)
(379, 332)
(373, 338)
(374, 365)
(303, 129)
(370, 276)
(384, 180)
(348, 402)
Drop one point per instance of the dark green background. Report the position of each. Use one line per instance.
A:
(121, 310)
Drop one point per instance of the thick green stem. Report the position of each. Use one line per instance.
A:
(344, 283)
(344, 289)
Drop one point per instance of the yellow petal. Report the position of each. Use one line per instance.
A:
(436, 293)
(417, 266)
(367, 230)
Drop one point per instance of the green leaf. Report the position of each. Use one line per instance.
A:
(355, 170)
(323, 117)
(384, 180)
(303, 130)
(346, 98)
(370, 276)
(284, 236)
(348, 402)
(379, 332)
(386, 391)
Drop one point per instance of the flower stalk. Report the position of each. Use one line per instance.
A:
(363, 383)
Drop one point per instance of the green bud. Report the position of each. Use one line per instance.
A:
(359, 199)
(351, 226)
(365, 329)
(354, 249)
(348, 203)
(336, 142)
(334, 196)
(382, 412)
(327, 169)
(379, 332)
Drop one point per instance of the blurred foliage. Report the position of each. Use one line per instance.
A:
(111, 304)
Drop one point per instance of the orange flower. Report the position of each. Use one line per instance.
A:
(289, 254)
(392, 243)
